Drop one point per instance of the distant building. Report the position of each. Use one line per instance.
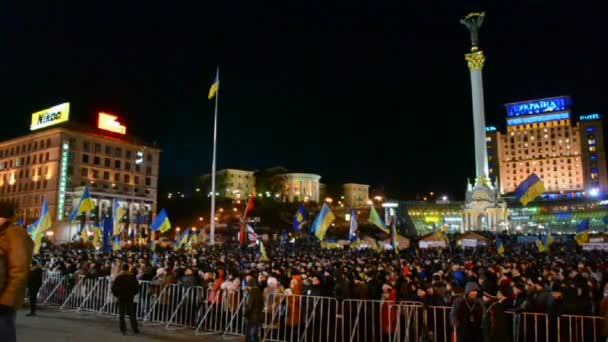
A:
(355, 195)
(231, 183)
(299, 187)
(542, 138)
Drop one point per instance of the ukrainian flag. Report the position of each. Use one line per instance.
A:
(84, 204)
(322, 222)
(301, 219)
(97, 237)
(263, 256)
(530, 189)
(183, 239)
(500, 247)
(84, 234)
(118, 213)
(37, 237)
(582, 233)
(216, 84)
(353, 237)
(117, 245)
(544, 243)
(43, 222)
(161, 223)
(375, 219)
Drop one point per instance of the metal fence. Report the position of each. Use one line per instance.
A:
(299, 318)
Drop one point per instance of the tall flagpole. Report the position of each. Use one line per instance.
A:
(212, 218)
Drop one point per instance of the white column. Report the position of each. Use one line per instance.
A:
(290, 197)
(475, 62)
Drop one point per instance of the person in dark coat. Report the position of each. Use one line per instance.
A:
(34, 283)
(467, 313)
(254, 307)
(494, 321)
(125, 287)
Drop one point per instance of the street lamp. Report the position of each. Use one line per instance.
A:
(328, 200)
(378, 198)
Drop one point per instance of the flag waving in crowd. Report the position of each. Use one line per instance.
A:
(500, 247)
(530, 189)
(353, 236)
(248, 210)
(85, 204)
(118, 213)
(322, 222)
(582, 233)
(300, 219)
(161, 223)
(375, 219)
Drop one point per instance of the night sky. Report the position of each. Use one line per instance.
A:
(377, 92)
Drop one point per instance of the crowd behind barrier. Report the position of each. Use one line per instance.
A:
(339, 295)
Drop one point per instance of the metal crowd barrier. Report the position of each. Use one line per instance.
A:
(406, 325)
(56, 290)
(580, 328)
(222, 312)
(79, 293)
(187, 311)
(437, 323)
(163, 303)
(367, 320)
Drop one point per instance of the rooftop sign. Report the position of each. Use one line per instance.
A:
(109, 122)
(548, 105)
(50, 116)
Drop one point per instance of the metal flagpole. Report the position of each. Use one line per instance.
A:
(212, 219)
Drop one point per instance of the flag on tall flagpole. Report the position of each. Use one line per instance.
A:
(529, 189)
(375, 219)
(248, 210)
(215, 86)
(353, 237)
(322, 222)
(161, 223)
(84, 204)
(118, 213)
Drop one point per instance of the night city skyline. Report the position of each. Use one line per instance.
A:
(375, 94)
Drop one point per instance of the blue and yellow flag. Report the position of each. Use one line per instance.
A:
(153, 246)
(530, 189)
(216, 84)
(300, 219)
(84, 204)
(375, 219)
(544, 243)
(97, 237)
(117, 245)
(43, 222)
(500, 247)
(183, 239)
(118, 213)
(37, 237)
(161, 223)
(582, 233)
(263, 256)
(322, 222)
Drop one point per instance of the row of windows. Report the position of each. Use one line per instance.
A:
(110, 150)
(107, 162)
(19, 201)
(23, 186)
(23, 161)
(26, 148)
(107, 186)
(116, 177)
(560, 123)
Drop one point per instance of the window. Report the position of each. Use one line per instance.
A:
(136, 178)
(149, 171)
(117, 177)
(48, 143)
(85, 146)
(127, 166)
(109, 150)
(137, 168)
(106, 175)
(85, 158)
(118, 152)
(96, 160)
(148, 181)
(128, 154)
(127, 179)
(149, 157)
(97, 148)
(117, 164)
(95, 173)
(107, 162)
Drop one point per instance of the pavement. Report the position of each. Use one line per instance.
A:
(53, 326)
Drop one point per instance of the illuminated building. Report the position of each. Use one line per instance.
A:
(299, 187)
(355, 195)
(57, 162)
(541, 138)
(231, 183)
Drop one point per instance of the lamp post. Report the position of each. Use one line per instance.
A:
(139, 160)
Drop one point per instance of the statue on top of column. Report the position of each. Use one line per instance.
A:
(473, 22)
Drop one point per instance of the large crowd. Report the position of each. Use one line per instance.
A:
(564, 281)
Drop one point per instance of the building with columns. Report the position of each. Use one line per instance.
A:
(57, 163)
(299, 187)
(355, 195)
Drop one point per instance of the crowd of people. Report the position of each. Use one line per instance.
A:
(477, 283)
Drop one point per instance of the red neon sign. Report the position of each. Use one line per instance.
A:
(109, 122)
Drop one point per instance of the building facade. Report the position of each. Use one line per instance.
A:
(299, 187)
(543, 138)
(57, 164)
(235, 184)
(355, 195)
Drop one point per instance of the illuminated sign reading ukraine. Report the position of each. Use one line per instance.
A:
(555, 104)
(539, 118)
(590, 117)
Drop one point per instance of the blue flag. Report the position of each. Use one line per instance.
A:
(353, 237)
(300, 219)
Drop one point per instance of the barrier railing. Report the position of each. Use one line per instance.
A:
(222, 312)
(164, 300)
(187, 310)
(97, 297)
(436, 324)
(406, 323)
(573, 328)
(55, 293)
(79, 293)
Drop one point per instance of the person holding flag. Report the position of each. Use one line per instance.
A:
(42, 224)
(375, 219)
(248, 210)
(530, 189)
(500, 247)
(183, 239)
(84, 205)
(353, 236)
(161, 223)
(118, 213)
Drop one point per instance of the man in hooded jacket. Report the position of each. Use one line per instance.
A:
(467, 313)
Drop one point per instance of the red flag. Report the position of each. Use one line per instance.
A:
(248, 209)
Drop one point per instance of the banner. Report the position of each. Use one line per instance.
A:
(432, 244)
(595, 246)
(469, 243)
